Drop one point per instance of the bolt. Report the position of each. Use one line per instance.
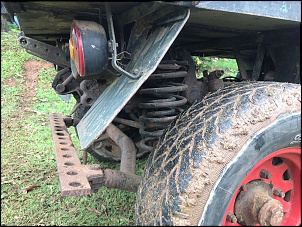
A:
(243, 187)
(278, 192)
(23, 41)
(231, 217)
(110, 46)
(265, 174)
(135, 71)
(60, 88)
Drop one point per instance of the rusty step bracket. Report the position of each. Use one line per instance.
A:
(77, 179)
(72, 180)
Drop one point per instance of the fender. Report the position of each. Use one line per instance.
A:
(148, 45)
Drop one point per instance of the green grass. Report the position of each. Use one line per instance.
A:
(229, 66)
(27, 155)
(12, 56)
(13, 27)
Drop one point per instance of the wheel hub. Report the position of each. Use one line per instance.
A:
(255, 204)
(270, 194)
(271, 213)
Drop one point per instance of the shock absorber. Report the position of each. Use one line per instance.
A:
(163, 102)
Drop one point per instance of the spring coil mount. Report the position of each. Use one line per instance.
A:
(163, 102)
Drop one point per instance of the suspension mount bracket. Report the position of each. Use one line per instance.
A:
(45, 51)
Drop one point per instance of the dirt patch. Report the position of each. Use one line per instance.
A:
(31, 71)
(11, 82)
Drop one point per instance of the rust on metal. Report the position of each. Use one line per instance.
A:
(128, 157)
(72, 180)
(243, 187)
(121, 180)
(255, 205)
(134, 124)
(117, 95)
(61, 87)
(214, 83)
(84, 157)
(76, 179)
(110, 178)
(265, 174)
(231, 218)
(271, 213)
(278, 192)
(215, 74)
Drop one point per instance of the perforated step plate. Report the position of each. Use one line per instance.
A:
(73, 180)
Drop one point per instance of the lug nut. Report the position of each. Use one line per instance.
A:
(265, 174)
(278, 192)
(231, 217)
(243, 187)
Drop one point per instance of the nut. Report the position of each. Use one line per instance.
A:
(278, 192)
(243, 187)
(231, 218)
(265, 174)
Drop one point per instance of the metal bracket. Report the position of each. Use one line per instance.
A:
(45, 51)
(72, 180)
(90, 92)
(64, 82)
(258, 62)
(77, 179)
(112, 46)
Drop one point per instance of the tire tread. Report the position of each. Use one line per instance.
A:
(190, 139)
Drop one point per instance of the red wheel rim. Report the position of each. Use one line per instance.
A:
(285, 175)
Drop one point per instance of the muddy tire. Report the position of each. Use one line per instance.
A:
(199, 164)
(105, 150)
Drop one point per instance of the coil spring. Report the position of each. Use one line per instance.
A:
(162, 105)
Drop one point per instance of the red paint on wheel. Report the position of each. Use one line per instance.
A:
(289, 182)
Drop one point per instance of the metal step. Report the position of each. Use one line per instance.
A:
(77, 179)
(73, 180)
